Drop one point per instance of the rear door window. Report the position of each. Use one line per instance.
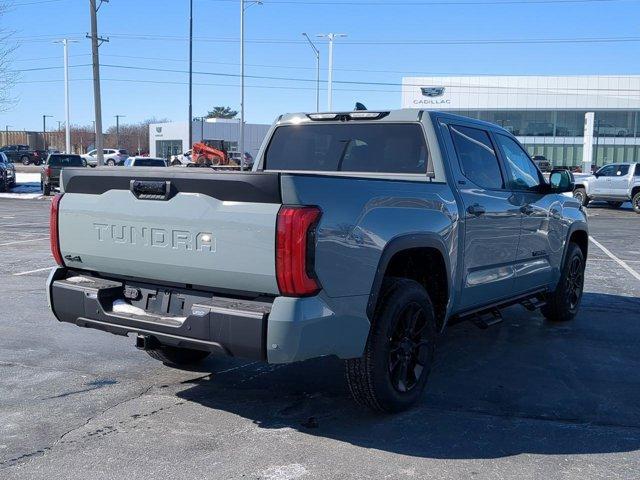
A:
(65, 161)
(349, 147)
(622, 170)
(477, 156)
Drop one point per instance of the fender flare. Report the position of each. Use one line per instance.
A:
(398, 244)
(576, 226)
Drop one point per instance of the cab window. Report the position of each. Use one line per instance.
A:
(522, 173)
(477, 156)
(607, 171)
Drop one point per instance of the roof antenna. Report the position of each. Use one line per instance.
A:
(360, 106)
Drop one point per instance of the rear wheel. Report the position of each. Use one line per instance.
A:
(178, 357)
(635, 202)
(25, 160)
(111, 162)
(564, 302)
(615, 204)
(176, 163)
(393, 372)
(46, 189)
(580, 194)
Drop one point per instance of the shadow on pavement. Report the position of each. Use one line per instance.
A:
(525, 386)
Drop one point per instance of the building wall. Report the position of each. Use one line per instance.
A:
(227, 130)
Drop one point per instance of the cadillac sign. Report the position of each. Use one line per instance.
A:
(432, 93)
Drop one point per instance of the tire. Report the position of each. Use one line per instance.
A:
(392, 373)
(110, 162)
(176, 163)
(635, 202)
(580, 194)
(563, 304)
(178, 357)
(25, 160)
(615, 204)
(46, 189)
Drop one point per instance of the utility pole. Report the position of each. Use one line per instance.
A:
(242, 9)
(44, 130)
(317, 52)
(190, 73)
(96, 41)
(118, 117)
(331, 37)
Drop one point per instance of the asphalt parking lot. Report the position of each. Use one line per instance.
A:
(525, 398)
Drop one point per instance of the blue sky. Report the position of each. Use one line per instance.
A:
(152, 34)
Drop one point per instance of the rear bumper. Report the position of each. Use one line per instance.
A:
(283, 331)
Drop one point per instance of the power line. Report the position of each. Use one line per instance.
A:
(369, 3)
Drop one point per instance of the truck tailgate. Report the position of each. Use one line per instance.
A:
(191, 226)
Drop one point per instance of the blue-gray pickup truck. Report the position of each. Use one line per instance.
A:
(357, 234)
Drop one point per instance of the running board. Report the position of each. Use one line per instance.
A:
(487, 319)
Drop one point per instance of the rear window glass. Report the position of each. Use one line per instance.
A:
(65, 161)
(149, 162)
(348, 147)
(122, 152)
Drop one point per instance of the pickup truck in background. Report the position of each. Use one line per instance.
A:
(614, 183)
(50, 174)
(24, 154)
(357, 234)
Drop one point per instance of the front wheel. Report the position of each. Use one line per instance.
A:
(178, 357)
(563, 303)
(176, 163)
(46, 189)
(635, 202)
(392, 373)
(25, 160)
(111, 162)
(580, 194)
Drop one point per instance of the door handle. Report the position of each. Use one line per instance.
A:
(476, 209)
(526, 209)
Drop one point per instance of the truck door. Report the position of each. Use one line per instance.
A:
(620, 182)
(600, 186)
(542, 234)
(490, 217)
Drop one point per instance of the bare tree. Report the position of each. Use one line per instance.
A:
(134, 137)
(8, 77)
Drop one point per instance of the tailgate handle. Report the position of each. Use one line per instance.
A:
(151, 189)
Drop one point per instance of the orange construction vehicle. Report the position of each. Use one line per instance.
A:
(207, 155)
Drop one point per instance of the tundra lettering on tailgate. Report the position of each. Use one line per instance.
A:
(155, 237)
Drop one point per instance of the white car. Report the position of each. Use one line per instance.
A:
(181, 160)
(145, 162)
(112, 156)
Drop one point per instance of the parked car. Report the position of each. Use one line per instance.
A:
(543, 164)
(112, 156)
(364, 249)
(145, 162)
(181, 160)
(614, 183)
(609, 130)
(24, 154)
(50, 173)
(7, 173)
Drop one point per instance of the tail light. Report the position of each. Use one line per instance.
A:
(295, 250)
(36, 154)
(53, 230)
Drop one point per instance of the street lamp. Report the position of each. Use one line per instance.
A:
(44, 130)
(243, 6)
(317, 52)
(67, 137)
(118, 117)
(331, 37)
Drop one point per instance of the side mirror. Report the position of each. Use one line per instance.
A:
(561, 181)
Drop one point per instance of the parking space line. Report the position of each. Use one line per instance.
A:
(615, 259)
(23, 241)
(32, 271)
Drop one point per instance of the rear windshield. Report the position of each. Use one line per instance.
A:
(149, 162)
(348, 147)
(65, 161)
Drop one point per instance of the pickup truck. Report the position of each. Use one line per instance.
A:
(24, 154)
(359, 234)
(614, 183)
(51, 170)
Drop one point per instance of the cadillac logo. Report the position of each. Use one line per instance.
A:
(159, 129)
(432, 91)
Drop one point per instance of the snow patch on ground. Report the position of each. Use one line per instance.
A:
(27, 187)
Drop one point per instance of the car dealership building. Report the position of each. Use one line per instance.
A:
(546, 113)
(166, 139)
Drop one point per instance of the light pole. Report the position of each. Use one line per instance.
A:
(67, 135)
(331, 37)
(118, 117)
(190, 73)
(44, 130)
(317, 52)
(243, 6)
